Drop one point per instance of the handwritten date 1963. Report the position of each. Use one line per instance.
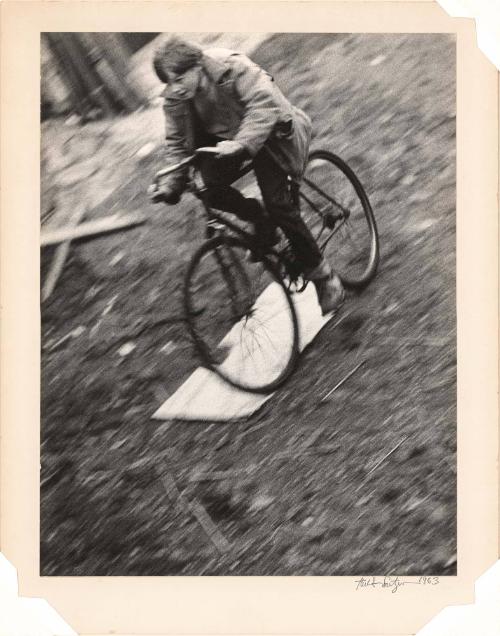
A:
(393, 583)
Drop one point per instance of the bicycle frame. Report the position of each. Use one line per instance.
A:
(327, 219)
(216, 220)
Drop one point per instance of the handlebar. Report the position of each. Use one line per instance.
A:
(207, 150)
(211, 150)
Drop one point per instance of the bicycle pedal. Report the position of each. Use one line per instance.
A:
(298, 285)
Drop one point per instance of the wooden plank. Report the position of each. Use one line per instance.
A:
(212, 531)
(99, 226)
(60, 256)
(198, 511)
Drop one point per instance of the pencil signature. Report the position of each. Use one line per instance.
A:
(393, 583)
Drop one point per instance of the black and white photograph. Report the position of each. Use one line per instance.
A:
(248, 304)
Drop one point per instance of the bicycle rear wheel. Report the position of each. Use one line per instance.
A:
(337, 210)
(240, 315)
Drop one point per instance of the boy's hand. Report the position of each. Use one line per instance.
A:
(159, 193)
(229, 148)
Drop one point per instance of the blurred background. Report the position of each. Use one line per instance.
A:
(102, 77)
(361, 483)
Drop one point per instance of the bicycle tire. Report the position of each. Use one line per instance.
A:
(343, 202)
(243, 330)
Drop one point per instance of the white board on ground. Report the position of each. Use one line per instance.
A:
(205, 396)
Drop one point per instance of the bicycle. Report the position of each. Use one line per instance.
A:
(238, 294)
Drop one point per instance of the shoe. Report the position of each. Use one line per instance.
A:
(331, 293)
(329, 288)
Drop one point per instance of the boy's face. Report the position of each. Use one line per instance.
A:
(187, 83)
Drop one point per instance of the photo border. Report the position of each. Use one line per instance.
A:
(227, 605)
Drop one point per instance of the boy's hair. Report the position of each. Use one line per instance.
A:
(175, 55)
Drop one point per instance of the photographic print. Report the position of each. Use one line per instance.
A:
(248, 304)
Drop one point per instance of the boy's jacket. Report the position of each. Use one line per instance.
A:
(242, 103)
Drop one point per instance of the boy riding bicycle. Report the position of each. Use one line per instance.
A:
(221, 98)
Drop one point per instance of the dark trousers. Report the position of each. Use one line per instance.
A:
(281, 204)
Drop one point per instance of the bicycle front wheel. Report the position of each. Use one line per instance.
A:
(240, 315)
(336, 209)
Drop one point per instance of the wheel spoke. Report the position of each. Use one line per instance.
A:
(248, 333)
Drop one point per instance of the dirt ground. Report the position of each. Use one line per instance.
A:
(304, 487)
